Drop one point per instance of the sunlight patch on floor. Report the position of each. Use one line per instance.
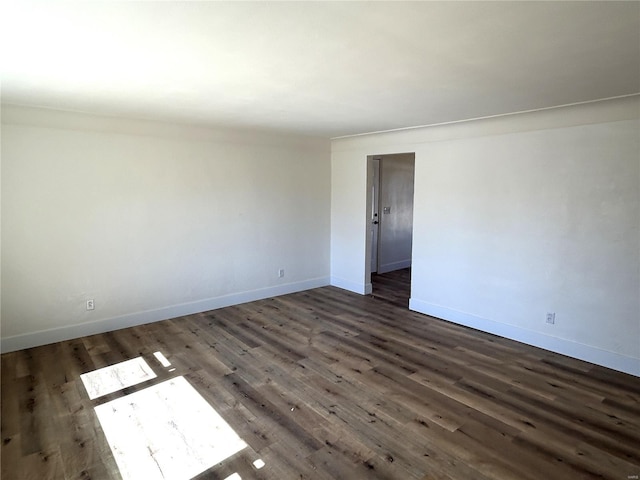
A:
(162, 359)
(166, 431)
(116, 377)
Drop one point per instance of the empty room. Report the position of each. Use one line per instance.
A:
(320, 240)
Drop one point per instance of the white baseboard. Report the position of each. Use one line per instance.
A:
(361, 288)
(68, 332)
(390, 267)
(580, 351)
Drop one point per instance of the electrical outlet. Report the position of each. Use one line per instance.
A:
(281, 273)
(90, 304)
(551, 318)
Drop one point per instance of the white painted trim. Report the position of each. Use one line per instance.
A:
(368, 288)
(360, 288)
(580, 351)
(390, 267)
(68, 332)
(613, 110)
(486, 117)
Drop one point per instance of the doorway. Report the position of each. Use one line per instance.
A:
(390, 203)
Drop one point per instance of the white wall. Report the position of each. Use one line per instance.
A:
(518, 216)
(349, 224)
(151, 220)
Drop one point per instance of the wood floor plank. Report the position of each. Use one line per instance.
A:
(327, 384)
(43, 465)
(9, 408)
(570, 426)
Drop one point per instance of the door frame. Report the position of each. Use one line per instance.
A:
(369, 213)
(374, 218)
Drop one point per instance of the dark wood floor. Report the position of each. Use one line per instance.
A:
(393, 287)
(328, 384)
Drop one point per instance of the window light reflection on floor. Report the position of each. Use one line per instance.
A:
(116, 377)
(167, 430)
(162, 359)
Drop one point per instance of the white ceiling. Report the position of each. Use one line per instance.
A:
(327, 68)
